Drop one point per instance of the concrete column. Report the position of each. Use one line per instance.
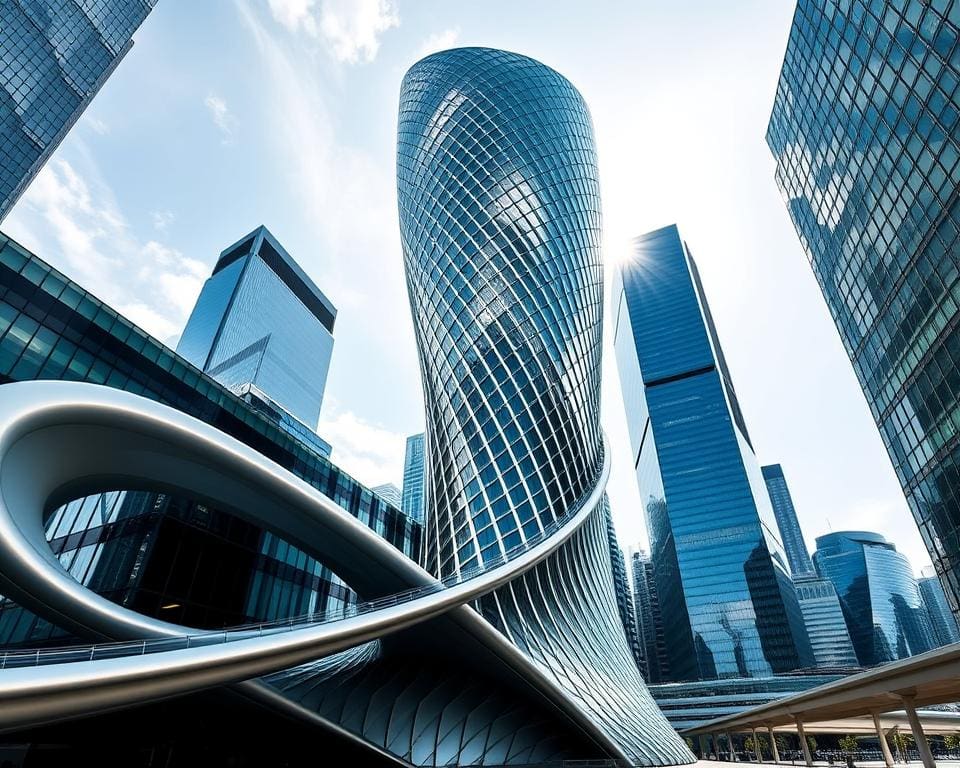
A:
(884, 746)
(756, 746)
(773, 745)
(922, 747)
(730, 749)
(704, 752)
(803, 741)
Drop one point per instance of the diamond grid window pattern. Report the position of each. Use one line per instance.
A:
(500, 224)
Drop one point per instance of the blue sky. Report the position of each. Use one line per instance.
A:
(231, 113)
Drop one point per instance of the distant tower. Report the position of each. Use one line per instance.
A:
(623, 588)
(790, 533)
(389, 493)
(729, 605)
(826, 626)
(878, 593)
(656, 668)
(413, 469)
(54, 57)
(260, 323)
(944, 623)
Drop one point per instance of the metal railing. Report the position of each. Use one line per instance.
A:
(34, 657)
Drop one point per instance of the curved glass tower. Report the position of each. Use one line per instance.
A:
(500, 223)
(878, 593)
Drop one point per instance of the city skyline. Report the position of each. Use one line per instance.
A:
(74, 203)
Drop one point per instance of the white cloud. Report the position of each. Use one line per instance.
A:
(350, 29)
(369, 452)
(223, 118)
(162, 219)
(73, 222)
(99, 126)
(439, 41)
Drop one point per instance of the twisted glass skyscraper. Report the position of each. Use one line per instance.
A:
(865, 130)
(500, 224)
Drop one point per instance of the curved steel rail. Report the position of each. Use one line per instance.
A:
(61, 440)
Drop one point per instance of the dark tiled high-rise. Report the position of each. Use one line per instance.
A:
(866, 137)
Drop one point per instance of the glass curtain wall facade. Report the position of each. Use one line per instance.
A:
(729, 606)
(791, 535)
(413, 474)
(942, 620)
(880, 598)
(826, 626)
(866, 138)
(500, 225)
(655, 668)
(623, 589)
(54, 56)
(261, 321)
(126, 545)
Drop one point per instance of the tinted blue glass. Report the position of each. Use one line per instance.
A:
(728, 606)
(54, 56)
(865, 130)
(945, 630)
(251, 326)
(413, 476)
(826, 626)
(787, 523)
(878, 593)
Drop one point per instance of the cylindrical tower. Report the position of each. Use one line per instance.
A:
(500, 223)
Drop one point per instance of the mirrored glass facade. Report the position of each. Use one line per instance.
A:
(54, 56)
(261, 320)
(500, 225)
(654, 667)
(878, 593)
(787, 523)
(942, 620)
(826, 626)
(866, 137)
(413, 476)
(728, 604)
(164, 556)
(622, 587)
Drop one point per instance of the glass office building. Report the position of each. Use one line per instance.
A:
(880, 598)
(499, 203)
(389, 493)
(413, 474)
(785, 514)
(655, 667)
(54, 56)
(826, 626)
(729, 606)
(622, 588)
(261, 320)
(942, 620)
(865, 131)
(169, 557)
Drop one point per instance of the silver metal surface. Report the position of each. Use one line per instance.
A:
(61, 439)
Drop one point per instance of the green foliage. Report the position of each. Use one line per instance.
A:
(781, 742)
(812, 743)
(951, 741)
(849, 744)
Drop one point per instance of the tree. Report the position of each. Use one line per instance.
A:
(781, 742)
(757, 746)
(903, 742)
(850, 747)
(951, 741)
(812, 744)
